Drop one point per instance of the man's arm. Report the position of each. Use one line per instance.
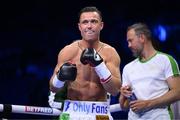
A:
(107, 69)
(171, 96)
(113, 64)
(64, 56)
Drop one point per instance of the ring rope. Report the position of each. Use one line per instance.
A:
(37, 110)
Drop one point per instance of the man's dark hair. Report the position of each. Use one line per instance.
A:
(141, 28)
(90, 9)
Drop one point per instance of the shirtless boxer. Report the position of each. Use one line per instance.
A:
(89, 67)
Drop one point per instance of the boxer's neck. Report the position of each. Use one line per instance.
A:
(97, 45)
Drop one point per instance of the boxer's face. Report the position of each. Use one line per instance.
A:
(90, 25)
(134, 43)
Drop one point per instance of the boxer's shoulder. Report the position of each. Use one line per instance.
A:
(107, 48)
(70, 50)
(73, 46)
(109, 52)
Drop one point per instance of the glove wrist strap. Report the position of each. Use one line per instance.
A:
(103, 72)
(57, 83)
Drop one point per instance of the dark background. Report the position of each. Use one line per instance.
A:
(32, 32)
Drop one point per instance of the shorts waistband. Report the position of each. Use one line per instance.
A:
(86, 107)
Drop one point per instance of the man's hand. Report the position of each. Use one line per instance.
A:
(66, 72)
(140, 106)
(91, 57)
(126, 91)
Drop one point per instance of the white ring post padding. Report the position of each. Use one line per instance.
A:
(1, 107)
(115, 108)
(35, 110)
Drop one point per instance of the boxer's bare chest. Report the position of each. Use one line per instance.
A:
(87, 85)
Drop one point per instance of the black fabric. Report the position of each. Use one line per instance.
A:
(6, 111)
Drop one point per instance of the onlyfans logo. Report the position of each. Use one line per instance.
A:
(67, 106)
